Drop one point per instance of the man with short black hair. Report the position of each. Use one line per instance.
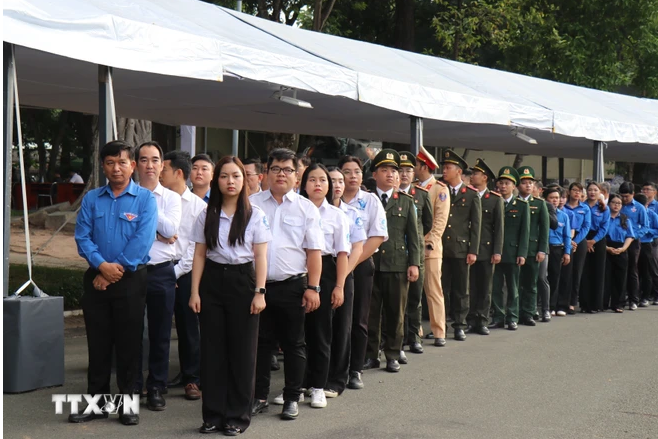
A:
(254, 172)
(649, 190)
(201, 175)
(637, 213)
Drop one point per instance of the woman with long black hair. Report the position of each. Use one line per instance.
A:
(228, 293)
(619, 237)
(593, 279)
(581, 219)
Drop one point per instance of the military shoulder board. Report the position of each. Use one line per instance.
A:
(496, 194)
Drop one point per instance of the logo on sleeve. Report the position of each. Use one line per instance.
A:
(443, 196)
(266, 223)
(130, 216)
(382, 224)
(358, 221)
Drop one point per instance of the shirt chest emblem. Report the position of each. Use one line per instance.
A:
(130, 216)
(362, 204)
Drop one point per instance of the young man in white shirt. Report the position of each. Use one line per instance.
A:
(161, 277)
(175, 172)
(293, 279)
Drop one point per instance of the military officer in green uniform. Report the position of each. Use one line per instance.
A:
(461, 241)
(537, 246)
(425, 217)
(491, 248)
(396, 264)
(515, 251)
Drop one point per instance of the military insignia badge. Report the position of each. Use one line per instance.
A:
(526, 171)
(443, 197)
(403, 157)
(506, 171)
(447, 154)
(390, 156)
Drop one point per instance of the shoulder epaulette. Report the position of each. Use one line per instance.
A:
(521, 200)
(472, 188)
(496, 194)
(440, 183)
(539, 198)
(422, 188)
(404, 193)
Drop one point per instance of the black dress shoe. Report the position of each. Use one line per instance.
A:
(259, 407)
(129, 419)
(512, 326)
(439, 342)
(429, 336)
(459, 335)
(547, 317)
(392, 366)
(232, 430)
(81, 417)
(290, 410)
(403, 358)
(176, 381)
(529, 322)
(416, 348)
(274, 365)
(355, 382)
(496, 325)
(155, 401)
(482, 330)
(207, 428)
(535, 316)
(371, 363)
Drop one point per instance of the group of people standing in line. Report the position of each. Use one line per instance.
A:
(302, 258)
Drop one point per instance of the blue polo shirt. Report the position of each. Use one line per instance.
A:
(652, 231)
(581, 220)
(117, 229)
(616, 233)
(638, 214)
(653, 206)
(561, 235)
(600, 222)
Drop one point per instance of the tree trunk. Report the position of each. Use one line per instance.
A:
(165, 135)
(56, 145)
(405, 23)
(134, 131)
(518, 160)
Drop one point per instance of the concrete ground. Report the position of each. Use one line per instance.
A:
(579, 376)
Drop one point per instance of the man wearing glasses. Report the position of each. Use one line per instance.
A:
(254, 170)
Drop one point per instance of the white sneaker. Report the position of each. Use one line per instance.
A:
(633, 307)
(553, 313)
(561, 313)
(279, 399)
(318, 399)
(330, 393)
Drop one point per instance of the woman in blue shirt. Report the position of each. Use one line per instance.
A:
(592, 284)
(581, 219)
(619, 237)
(648, 262)
(559, 244)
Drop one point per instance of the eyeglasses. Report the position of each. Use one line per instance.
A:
(277, 170)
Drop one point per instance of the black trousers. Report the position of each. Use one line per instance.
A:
(633, 283)
(413, 313)
(319, 329)
(229, 340)
(577, 265)
(559, 299)
(648, 268)
(481, 282)
(363, 280)
(341, 343)
(386, 321)
(114, 321)
(616, 270)
(454, 279)
(187, 328)
(543, 286)
(160, 298)
(593, 280)
(282, 321)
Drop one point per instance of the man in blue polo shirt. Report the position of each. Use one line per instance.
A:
(637, 213)
(114, 232)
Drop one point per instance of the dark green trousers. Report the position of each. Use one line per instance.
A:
(528, 288)
(387, 306)
(413, 314)
(506, 309)
(481, 282)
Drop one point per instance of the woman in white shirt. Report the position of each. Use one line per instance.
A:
(228, 293)
(316, 186)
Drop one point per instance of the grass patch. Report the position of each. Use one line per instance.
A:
(60, 282)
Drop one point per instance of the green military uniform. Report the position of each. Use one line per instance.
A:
(491, 243)
(395, 256)
(460, 238)
(538, 242)
(515, 245)
(425, 216)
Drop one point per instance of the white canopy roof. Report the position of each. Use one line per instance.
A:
(169, 56)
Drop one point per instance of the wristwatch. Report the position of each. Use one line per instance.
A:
(316, 289)
(260, 290)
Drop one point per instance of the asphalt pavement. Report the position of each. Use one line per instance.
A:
(582, 376)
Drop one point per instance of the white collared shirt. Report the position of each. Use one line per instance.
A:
(336, 229)
(405, 190)
(481, 194)
(524, 198)
(426, 182)
(372, 213)
(389, 194)
(455, 188)
(357, 232)
(192, 206)
(295, 227)
(257, 232)
(75, 178)
(169, 218)
(509, 200)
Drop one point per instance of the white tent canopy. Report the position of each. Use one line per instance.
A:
(170, 56)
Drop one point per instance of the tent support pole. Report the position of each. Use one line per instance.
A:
(544, 170)
(560, 171)
(8, 84)
(105, 121)
(416, 134)
(597, 172)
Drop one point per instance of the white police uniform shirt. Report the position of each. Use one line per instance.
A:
(372, 213)
(336, 228)
(357, 232)
(169, 218)
(192, 206)
(257, 232)
(295, 225)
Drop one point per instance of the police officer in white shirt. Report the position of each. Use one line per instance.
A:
(176, 170)
(293, 279)
(161, 278)
(374, 223)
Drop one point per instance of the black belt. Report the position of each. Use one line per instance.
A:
(556, 245)
(328, 258)
(152, 267)
(230, 267)
(175, 261)
(290, 279)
